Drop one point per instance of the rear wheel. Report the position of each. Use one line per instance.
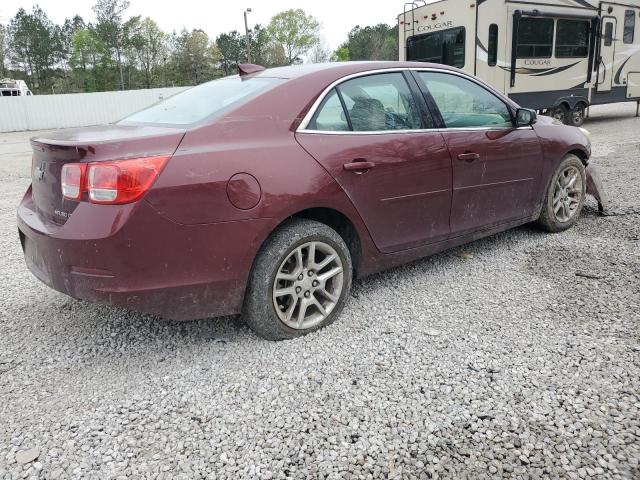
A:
(300, 281)
(565, 196)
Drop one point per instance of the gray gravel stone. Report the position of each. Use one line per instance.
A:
(27, 456)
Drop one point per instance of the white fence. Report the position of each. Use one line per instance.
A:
(75, 109)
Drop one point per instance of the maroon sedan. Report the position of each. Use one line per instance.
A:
(266, 193)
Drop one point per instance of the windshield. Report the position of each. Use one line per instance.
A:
(198, 103)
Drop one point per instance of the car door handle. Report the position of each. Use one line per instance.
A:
(468, 156)
(358, 166)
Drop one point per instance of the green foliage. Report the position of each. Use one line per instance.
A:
(4, 49)
(260, 45)
(123, 52)
(193, 59)
(69, 28)
(378, 42)
(36, 46)
(295, 31)
(150, 46)
(232, 50)
(113, 30)
(341, 54)
(90, 61)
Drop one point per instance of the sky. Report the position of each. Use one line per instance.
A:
(216, 16)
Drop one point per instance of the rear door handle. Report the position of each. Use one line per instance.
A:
(469, 156)
(358, 166)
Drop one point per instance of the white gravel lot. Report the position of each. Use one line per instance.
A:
(502, 363)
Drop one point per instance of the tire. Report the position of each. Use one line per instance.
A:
(286, 254)
(560, 113)
(576, 116)
(554, 219)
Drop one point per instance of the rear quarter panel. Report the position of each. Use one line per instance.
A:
(257, 139)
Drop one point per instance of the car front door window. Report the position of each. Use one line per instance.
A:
(465, 104)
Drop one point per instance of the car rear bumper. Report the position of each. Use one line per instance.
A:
(131, 256)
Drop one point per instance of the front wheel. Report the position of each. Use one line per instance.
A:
(300, 281)
(565, 196)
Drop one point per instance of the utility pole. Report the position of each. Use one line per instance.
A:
(247, 38)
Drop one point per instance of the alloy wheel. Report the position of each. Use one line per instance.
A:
(567, 194)
(308, 285)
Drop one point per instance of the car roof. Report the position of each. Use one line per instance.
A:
(303, 85)
(341, 69)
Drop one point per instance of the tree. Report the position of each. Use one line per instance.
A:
(4, 47)
(264, 50)
(35, 46)
(131, 43)
(378, 42)
(260, 42)
(341, 54)
(319, 53)
(193, 58)
(90, 60)
(295, 31)
(69, 28)
(113, 30)
(150, 45)
(232, 50)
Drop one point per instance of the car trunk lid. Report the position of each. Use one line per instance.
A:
(95, 144)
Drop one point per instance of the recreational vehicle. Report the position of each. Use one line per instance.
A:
(13, 88)
(555, 56)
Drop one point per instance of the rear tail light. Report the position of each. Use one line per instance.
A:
(116, 182)
(103, 183)
(72, 180)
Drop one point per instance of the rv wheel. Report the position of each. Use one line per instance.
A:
(576, 118)
(560, 113)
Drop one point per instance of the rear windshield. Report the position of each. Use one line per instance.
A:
(203, 101)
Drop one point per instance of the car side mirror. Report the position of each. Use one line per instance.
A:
(525, 117)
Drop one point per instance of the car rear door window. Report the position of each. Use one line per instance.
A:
(330, 116)
(465, 104)
(380, 102)
(535, 38)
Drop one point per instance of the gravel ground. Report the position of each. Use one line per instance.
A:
(499, 359)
